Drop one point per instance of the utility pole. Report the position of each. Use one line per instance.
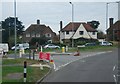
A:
(72, 23)
(15, 25)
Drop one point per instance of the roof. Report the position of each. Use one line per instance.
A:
(115, 26)
(76, 25)
(39, 28)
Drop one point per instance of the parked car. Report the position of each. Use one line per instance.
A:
(20, 46)
(1, 51)
(51, 46)
(90, 44)
(105, 43)
(4, 48)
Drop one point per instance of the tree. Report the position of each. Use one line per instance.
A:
(101, 35)
(39, 41)
(94, 24)
(9, 28)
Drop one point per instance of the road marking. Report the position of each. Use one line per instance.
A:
(114, 67)
(115, 79)
(54, 66)
(63, 65)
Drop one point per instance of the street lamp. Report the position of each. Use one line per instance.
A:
(72, 23)
(15, 24)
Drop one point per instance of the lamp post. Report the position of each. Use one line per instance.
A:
(15, 24)
(72, 23)
(106, 20)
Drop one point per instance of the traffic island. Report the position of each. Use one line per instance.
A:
(13, 70)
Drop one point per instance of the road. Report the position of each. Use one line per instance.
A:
(98, 67)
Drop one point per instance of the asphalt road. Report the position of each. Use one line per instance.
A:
(100, 67)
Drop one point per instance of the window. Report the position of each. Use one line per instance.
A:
(33, 35)
(93, 33)
(27, 35)
(37, 35)
(81, 32)
(48, 35)
(67, 32)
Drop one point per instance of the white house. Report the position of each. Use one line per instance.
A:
(77, 30)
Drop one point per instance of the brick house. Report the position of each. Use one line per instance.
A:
(38, 30)
(113, 32)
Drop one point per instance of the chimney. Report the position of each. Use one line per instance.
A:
(60, 25)
(111, 21)
(38, 21)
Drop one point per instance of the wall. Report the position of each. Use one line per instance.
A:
(77, 35)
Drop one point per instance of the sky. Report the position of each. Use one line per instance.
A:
(52, 12)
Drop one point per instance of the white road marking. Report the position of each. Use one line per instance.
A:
(114, 67)
(63, 65)
(115, 79)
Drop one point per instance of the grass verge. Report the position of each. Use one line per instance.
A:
(11, 67)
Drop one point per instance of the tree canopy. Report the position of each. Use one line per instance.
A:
(94, 24)
(9, 28)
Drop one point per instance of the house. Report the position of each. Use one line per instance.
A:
(38, 30)
(113, 32)
(75, 30)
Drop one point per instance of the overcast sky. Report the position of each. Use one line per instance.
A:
(52, 12)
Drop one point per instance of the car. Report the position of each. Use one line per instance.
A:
(20, 46)
(90, 44)
(4, 48)
(105, 43)
(1, 51)
(51, 46)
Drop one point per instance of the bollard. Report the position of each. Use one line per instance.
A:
(33, 54)
(63, 49)
(41, 67)
(41, 49)
(23, 51)
(20, 53)
(29, 54)
(66, 49)
(25, 70)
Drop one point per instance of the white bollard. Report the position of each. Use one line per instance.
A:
(41, 49)
(20, 53)
(63, 49)
(66, 48)
(23, 51)
(41, 67)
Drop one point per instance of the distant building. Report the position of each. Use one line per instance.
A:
(38, 30)
(113, 32)
(77, 30)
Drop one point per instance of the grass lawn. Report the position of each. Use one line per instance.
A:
(12, 71)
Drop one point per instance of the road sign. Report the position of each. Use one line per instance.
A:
(44, 56)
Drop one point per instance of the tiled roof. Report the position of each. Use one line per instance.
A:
(39, 28)
(115, 26)
(75, 26)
